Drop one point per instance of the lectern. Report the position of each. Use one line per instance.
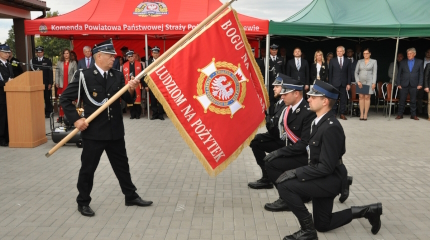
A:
(26, 110)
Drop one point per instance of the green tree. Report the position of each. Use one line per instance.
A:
(52, 46)
(11, 40)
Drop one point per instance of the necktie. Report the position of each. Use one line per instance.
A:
(341, 63)
(298, 64)
(312, 124)
(352, 60)
(105, 75)
(88, 63)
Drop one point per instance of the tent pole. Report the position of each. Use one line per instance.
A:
(392, 82)
(266, 65)
(26, 52)
(259, 46)
(146, 62)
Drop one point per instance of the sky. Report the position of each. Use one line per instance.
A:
(276, 10)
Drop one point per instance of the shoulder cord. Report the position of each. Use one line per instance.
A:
(82, 79)
(282, 133)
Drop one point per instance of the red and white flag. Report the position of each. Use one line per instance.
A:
(213, 91)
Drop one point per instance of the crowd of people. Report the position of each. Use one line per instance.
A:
(129, 64)
(347, 67)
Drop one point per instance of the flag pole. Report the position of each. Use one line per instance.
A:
(142, 74)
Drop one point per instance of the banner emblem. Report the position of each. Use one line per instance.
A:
(221, 88)
(151, 9)
(43, 28)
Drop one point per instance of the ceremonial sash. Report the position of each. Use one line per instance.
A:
(137, 70)
(293, 138)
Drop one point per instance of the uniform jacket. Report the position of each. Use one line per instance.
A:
(302, 74)
(275, 67)
(46, 66)
(82, 64)
(262, 67)
(339, 76)
(17, 69)
(299, 122)
(103, 127)
(59, 72)
(353, 67)
(6, 73)
(272, 122)
(326, 148)
(414, 77)
(314, 72)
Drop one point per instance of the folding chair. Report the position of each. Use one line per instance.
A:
(353, 98)
(379, 97)
(387, 98)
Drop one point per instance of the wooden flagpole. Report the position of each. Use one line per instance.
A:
(142, 74)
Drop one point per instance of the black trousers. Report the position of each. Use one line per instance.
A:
(279, 165)
(264, 143)
(4, 131)
(90, 158)
(343, 99)
(292, 191)
(48, 104)
(156, 107)
(413, 103)
(135, 110)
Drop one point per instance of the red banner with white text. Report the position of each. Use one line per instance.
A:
(213, 90)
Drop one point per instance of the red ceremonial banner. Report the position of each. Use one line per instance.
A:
(213, 91)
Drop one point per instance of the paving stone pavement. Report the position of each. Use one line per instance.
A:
(388, 160)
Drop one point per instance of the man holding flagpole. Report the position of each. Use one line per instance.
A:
(96, 86)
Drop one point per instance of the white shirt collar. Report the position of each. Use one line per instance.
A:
(297, 104)
(4, 62)
(318, 118)
(340, 58)
(280, 100)
(100, 70)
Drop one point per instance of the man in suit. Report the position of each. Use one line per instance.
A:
(294, 127)
(400, 57)
(156, 107)
(298, 68)
(358, 52)
(340, 77)
(283, 53)
(260, 64)
(16, 67)
(420, 93)
(409, 80)
(41, 63)
(6, 74)
(106, 131)
(350, 56)
(116, 63)
(275, 66)
(268, 141)
(87, 61)
(323, 178)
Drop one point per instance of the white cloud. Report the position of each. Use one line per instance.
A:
(276, 10)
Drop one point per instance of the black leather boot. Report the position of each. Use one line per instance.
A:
(345, 194)
(371, 212)
(307, 231)
(277, 206)
(262, 183)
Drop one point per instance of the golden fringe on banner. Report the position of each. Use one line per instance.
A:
(212, 172)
